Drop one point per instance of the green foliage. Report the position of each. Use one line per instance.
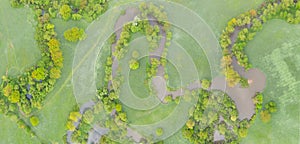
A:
(244, 82)
(74, 34)
(271, 107)
(7, 90)
(205, 84)
(55, 73)
(258, 100)
(134, 64)
(168, 99)
(88, 116)
(75, 116)
(243, 132)
(14, 97)
(70, 126)
(39, 74)
(190, 124)
(65, 12)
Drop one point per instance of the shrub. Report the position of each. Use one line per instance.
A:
(34, 121)
(159, 131)
(134, 64)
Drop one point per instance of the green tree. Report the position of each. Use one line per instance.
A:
(243, 132)
(118, 107)
(39, 74)
(271, 107)
(168, 99)
(134, 64)
(7, 90)
(14, 97)
(65, 12)
(74, 34)
(190, 124)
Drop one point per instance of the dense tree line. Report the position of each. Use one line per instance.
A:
(67, 9)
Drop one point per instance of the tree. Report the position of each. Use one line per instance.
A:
(75, 116)
(271, 107)
(265, 116)
(74, 34)
(7, 90)
(177, 100)
(243, 132)
(39, 74)
(190, 124)
(123, 117)
(65, 12)
(34, 121)
(168, 99)
(134, 64)
(14, 97)
(70, 126)
(159, 131)
(55, 73)
(118, 107)
(76, 17)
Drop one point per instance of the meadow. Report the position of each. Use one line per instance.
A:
(276, 51)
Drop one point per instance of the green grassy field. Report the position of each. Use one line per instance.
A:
(277, 54)
(17, 44)
(143, 117)
(184, 51)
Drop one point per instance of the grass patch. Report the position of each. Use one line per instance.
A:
(17, 44)
(142, 117)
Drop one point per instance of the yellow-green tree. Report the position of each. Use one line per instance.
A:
(74, 34)
(14, 97)
(34, 121)
(55, 73)
(65, 12)
(39, 74)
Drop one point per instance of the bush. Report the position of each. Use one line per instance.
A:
(159, 131)
(134, 64)
(34, 121)
(205, 84)
(265, 116)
